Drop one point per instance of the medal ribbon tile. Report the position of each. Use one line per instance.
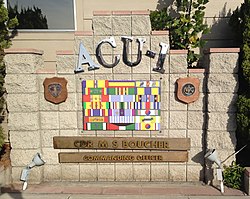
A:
(121, 105)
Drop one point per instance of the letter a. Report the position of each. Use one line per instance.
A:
(84, 58)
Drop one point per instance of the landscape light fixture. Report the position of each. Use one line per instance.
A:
(36, 161)
(213, 157)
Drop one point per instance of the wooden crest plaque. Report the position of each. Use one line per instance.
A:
(55, 89)
(188, 89)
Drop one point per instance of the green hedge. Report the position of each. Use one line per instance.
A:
(240, 22)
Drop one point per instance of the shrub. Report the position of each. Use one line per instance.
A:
(233, 175)
(185, 29)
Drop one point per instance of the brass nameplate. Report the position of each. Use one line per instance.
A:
(77, 142)
(118, 157)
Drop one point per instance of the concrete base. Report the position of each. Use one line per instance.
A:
(247, 180)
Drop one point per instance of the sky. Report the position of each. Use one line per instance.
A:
(59, 13)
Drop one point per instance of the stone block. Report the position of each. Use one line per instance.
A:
(52, 173)
(222, 102)
(164, 120)
(50, 155)
(80, 77)
(22, 63)
(224, 63)
(106, 171)
(165, 101)
(25, 139)
(23, 121)
(221, 140)
(70, 104)
(45, 105)
(159, 172)
(102, 25)
(178, 64)
(106, 48)
(195, 173)
(49, 120)
(69, 132)
(71, 82)
(36, 175)
(172, 81)
(177, 133)
(196, 120)
(141, 133)
(20, 83)
(164, 78)
(103, 76)
(102, 69)
(177, 172)
(144, 65)
(155, 43)
(70, 172)
(141, 172)
(196, 137)
(121, 25)
(247, 180)
(178, 120)
(21, 157)
(88, 172)
(223, 83)
(87, 42)
(165, 65)
(121, 68)
(66, 63)
(141, 25)
(47, 137)
(122, 76)
(221, 121)
(124, 172)
(15, 174)
(22, 102)
(135, 45)
(196, 156)
(198, 105)
(175, 104)
(144, 76)
(68, 120)
(79, 120)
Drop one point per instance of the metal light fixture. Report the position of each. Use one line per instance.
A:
(213, 157)
(36, 161)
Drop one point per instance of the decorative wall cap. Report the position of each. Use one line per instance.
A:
(65, 52)
(222, 50)
(102, 13)
(120, 12)
(23, 51)
(160, 32)
(84, 33)
(247, 171)
(182, 51)
(196, 70)
(140, 12)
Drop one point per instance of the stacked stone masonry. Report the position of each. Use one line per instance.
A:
(33, 121)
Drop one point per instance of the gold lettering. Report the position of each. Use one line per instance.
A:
(124, 144)
(146, 144)
(103, 144)
(114, 144)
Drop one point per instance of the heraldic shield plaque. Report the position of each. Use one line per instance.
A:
(55, 89)
(188, 89)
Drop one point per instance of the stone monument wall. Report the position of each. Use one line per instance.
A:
(33, 122)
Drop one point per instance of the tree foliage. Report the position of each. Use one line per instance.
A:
(186, 28)
(6, 24)
(240, 22)
(29, 18)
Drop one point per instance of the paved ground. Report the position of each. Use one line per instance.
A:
(108, 190)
